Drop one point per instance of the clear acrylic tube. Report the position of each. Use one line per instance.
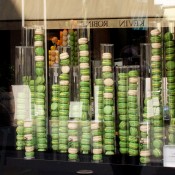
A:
(84, 88)
(64, 97)
(108, 98)
(24, 93)
(54, 101)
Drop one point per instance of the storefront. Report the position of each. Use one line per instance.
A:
(88, 87)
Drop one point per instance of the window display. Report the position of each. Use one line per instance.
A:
(96, 91)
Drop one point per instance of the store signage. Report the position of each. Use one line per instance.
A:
(98, 23)
(169, 156)
(131, 23)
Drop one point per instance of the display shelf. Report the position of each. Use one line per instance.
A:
(16, 166)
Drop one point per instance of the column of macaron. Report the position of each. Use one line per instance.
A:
(133, 102)
(29, 139)
(122, 90)
(53, 56)
(65, 38)
(145, 151)
(40, 90)
(64, 97)
(156, 87)
(108, 99)
(84, 89)
(73, 140)
(54, 128)
(72, 42)
(32, 109)
(170, 74)
(20, 116)
(97, 146)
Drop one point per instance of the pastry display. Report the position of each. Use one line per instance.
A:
(169, 52)
(133, 111)
(29, 140)
(73, 140)
(97, 144)
(156, 86)
(108, 99)
(64, 97)
(145, 151)
(54, 72)
(40, 90)
(73, 43)
(122, 89)
(85, 90)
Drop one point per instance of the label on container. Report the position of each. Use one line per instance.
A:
(75, 109)
(169, 156)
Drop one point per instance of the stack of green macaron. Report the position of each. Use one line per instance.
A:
(170, 74)
(32, 98)
(108, 104)
(75, 61)
(133, 112)
(40, 90)
(85, 92)
(29, 140)
(85, 137)
(97, 146)
(64, 98)
(122, 89)
(72, 42)
(73, 138)
(20, 135)
(156, 86)
(54, 109)
(20, 116)
(145, 143)
(98, 96)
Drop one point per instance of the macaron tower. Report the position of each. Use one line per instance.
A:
(133, 111)
(145, 151)
(156, 86)
(72, 42)
(122, 90)
(97, 146)
(54, 73)
(65, 38)
(84, 89)
(53, 56)
(64, 97)
(73, 138)
(40, 90)
(20, 111)
(108, 99)
(29, 140)
(170, 74)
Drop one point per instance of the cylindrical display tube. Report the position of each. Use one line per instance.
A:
(54, 83)
(72, 42)
(145, 151)
(156, 88)
(73, 140)
(24, 91)
(108, 98)
(40, 90)
(122, 90)
(97, 146)
(29, 142)
(169, 89)
(84, 88)
(133, 102)
(64, 97)
(98, 94)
